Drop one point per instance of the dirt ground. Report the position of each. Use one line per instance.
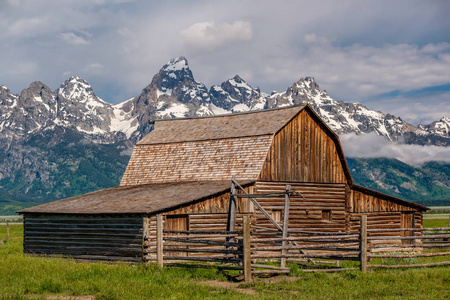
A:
(235, 285)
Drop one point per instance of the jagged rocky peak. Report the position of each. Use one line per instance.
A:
(79, 90)
(173, 92)
(176, 79)
(177, 65)
(309, 82)
(37, 93)
(173, 73)
(309, 85)
(236, 95)
(7, 98)
(239, 85)
(235, 89)
(441, 127)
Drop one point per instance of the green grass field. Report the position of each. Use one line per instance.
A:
(438, 216)
(29, 277)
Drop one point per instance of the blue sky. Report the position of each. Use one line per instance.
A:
(393, 56)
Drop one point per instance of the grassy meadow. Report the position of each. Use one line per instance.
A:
(437, 216)
(30, 277)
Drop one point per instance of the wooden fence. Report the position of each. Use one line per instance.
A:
(243, 250)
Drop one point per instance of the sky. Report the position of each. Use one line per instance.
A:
(392, 56)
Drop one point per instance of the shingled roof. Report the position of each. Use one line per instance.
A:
(144, 199)
(247, 124)
(207, 148)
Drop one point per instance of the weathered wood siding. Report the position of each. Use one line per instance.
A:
(208, 215)
(305, 213)
(386, 220)
(84, 237)
(303, 151)
(360, 202)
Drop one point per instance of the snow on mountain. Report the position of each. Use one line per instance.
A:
(342, 117)
(441, 127)
(174, 92)
(236, 95)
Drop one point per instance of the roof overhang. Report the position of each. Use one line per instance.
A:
(145, 199)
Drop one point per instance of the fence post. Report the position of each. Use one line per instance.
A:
(231, 219)
(363, 243)
(285, 225)
(247, 255)
(7, 230)
(159, 241)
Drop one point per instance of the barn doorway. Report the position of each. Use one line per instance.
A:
(407, 221)
(177, 222)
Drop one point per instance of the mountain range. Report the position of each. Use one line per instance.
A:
(56, 144)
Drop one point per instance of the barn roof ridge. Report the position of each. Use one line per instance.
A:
(248, 124)
(300, 106)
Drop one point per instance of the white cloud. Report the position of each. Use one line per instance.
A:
(73, 39)
(423, 108)
(356, 71)
(27, 26)
(312, 38)
(372, 145)
(209, 36)
(355, 49)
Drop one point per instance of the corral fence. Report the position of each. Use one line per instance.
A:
(247, 251)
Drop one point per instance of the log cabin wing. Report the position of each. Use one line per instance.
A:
(182, 169)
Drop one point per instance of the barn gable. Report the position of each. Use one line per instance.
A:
(288, 144)
(208, 148)
(306, 150)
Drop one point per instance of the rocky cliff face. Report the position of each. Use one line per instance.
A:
(51, 142)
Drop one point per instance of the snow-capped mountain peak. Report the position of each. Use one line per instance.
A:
(236, 95)
(441, 127)
(174, 92)
(78, 89)
(176, 64)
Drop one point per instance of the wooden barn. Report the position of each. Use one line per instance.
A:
(183, 170)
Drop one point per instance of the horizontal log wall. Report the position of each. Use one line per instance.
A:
(305, 213)
(384, 220)
(303, 151)
(360, 202)
(209, 214)
(217, 204)
(197, 223)
(84, 237)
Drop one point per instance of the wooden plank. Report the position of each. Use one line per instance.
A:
(334, 270)
(285, 223)
(363, 245)
(410, 255)
(443, 263)
(247, 250)
(231, 219)
(204, 266)
(159, 241)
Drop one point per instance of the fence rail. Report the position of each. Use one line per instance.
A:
(235, 250)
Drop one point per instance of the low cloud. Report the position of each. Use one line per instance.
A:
(372, 145)
(209, 36)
